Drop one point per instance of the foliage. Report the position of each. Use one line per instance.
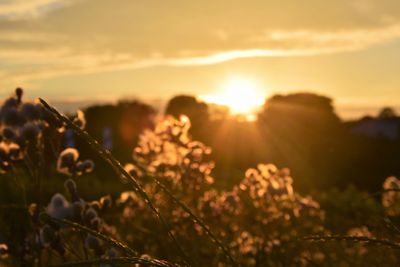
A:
(168, 211)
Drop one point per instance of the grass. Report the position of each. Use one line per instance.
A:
(108, 157)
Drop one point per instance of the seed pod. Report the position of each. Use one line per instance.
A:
(106, 202)
(86, 166)
(30, 132)
(89, 215)
(30, 111)
(9, 133)
(66, 160)
(19, 92)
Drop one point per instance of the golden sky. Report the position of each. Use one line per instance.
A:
(105, 49)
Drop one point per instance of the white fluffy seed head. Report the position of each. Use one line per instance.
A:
(59, 207)
(3, 249)
(106, 202)
(90, 214)
(66, 160)
(86, 166)
(31, 111)
(80, 119)
(30, 132)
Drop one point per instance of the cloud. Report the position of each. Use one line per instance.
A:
(100, 35)
(15, 9)
(357, 38)
(67, 60)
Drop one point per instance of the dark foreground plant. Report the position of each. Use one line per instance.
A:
(173, 211)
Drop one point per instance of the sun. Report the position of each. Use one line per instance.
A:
(241, 96)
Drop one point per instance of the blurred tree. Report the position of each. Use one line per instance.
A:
(190, 106)
(120, 124)
(387, 112)
(304, 134)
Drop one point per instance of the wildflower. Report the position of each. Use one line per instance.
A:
(31, 111)
(12, 117)
(80, 120)
(391, 196)
(132, 170)
(127, 196)
(9, 134)
(14, 151)
(89, 215)
(66, 160)
(10, 103)
(30, 132)
(106, 202)
(95, 205)
(3, 250)
(4, 166)
(19, 92)
(59, 207)
(85, 166)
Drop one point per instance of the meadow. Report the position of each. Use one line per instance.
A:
(163, 208)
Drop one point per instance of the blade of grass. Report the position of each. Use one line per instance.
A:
(364, 239)
(119, 260)
(111, 241)
(109, 158)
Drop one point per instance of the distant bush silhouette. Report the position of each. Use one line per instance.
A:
(194, 109)
(126, 120)
(387, 112)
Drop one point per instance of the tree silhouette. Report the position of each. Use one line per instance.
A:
(303, 134)
(123, 122)
(386, 113)
(196, 110)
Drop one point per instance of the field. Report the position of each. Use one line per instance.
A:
(164, 208)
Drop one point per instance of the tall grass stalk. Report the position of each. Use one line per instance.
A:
(363, 239)
(118, 260)
(109, 240)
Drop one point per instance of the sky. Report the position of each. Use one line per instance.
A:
(76, 51)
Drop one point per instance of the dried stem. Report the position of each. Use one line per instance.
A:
(119, 260)
(46, 218)
(363, 239)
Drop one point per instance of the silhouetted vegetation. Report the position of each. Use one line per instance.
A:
(197, 189)
(299, 131)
